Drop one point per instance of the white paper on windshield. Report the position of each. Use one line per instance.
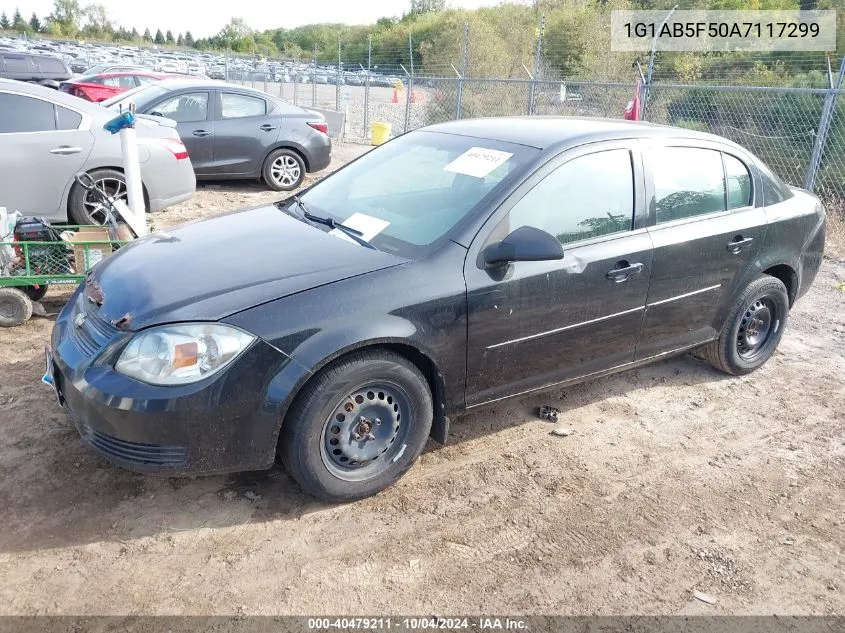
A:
(477, 161)
(367, 224)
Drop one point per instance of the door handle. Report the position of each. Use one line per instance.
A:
(739, 243)
(201, 133)
(624, 271)
(267, 127)
(65, 150)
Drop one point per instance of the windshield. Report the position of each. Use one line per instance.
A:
(96, 70)
(141, 96)
(409, 193)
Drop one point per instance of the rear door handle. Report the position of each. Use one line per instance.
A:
(65, 150)
(739, 243)
(267, 127)
(624, 271)
(201, 133)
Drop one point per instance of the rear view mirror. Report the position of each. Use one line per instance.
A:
(525, 244)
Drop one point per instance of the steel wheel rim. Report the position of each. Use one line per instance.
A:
(758, 326)
(366, 431)
(94, 210)
(285, 171)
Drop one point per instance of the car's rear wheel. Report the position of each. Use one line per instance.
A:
(752, 330)
(15, 307)
(284, 170)
(357, 427)
(83, 206)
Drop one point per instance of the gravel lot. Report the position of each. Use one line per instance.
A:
(676, 479)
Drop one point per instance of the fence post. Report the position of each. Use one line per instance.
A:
(337, 79)
(410, 88)
(367, 86)
(647, 87)
(825, 120)
(464, 55)
(226, 64)
(532, 95)
(314, 79)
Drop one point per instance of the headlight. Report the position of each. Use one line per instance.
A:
(181, 354)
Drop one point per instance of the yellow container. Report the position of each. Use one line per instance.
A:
(379, 132)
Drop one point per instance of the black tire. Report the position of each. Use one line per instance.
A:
(752, 330)
(284, 170)
(15, 307)
(35, 294)
(315, 420)
(76, 207)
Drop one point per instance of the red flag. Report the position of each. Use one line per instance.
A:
(632, 111)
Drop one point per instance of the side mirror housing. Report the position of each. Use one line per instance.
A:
(525, 244)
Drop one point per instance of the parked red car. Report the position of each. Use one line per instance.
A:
(98, 88)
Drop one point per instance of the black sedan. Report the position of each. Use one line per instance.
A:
(235, 132)
(450, 268)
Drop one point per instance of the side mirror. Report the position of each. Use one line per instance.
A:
(525, 244)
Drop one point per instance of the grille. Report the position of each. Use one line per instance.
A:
(134, 452)
(95, 331)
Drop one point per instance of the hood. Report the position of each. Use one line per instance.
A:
(211, 269)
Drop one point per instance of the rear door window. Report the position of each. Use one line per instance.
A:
(235, 106)
(738, 181)
(688, 181)
(51, 65)
(25, 114)
(67, 119)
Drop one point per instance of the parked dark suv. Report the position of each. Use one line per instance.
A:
(41, 69)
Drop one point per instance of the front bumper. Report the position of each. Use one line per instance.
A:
(226, 423)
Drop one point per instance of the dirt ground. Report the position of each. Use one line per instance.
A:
(675, 480)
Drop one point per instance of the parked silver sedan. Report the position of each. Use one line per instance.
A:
(46, 137)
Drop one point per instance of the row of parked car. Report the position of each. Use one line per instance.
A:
(189, 128)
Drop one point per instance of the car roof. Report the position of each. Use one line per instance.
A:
(547, 132)
(62, 98)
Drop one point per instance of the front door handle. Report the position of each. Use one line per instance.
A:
(267, 127)
(201, 133)
(739, 243)
(65, 150)
(623, 271)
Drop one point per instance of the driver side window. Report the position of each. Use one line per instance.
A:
(589, 196)
(184, 108)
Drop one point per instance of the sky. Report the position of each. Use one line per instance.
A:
(206, 17)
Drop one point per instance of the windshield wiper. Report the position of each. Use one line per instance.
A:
(354, 234)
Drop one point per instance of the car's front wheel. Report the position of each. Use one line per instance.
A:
(284, 170)
(752, 330)
(357, 426)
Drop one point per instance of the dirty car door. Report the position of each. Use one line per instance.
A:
(533, 324)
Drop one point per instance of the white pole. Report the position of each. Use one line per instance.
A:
(132, 172)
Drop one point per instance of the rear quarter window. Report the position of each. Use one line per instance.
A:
(774, 191)
(51, 65)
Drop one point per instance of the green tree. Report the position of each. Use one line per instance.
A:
(168, 38)
(4, 21)
(97, 19)
(419, 7)
(189, 39)
(18, 23)
(159, 38)
(35, 23)
(135, 35)
(65, 17)
(147, 36)
(180, 41)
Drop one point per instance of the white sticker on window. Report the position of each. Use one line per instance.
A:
(367, 224)
(477, 161)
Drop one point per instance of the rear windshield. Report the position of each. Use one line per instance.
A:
(409, 193)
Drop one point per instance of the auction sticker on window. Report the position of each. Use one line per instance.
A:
(477, 161)
(366, 224)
